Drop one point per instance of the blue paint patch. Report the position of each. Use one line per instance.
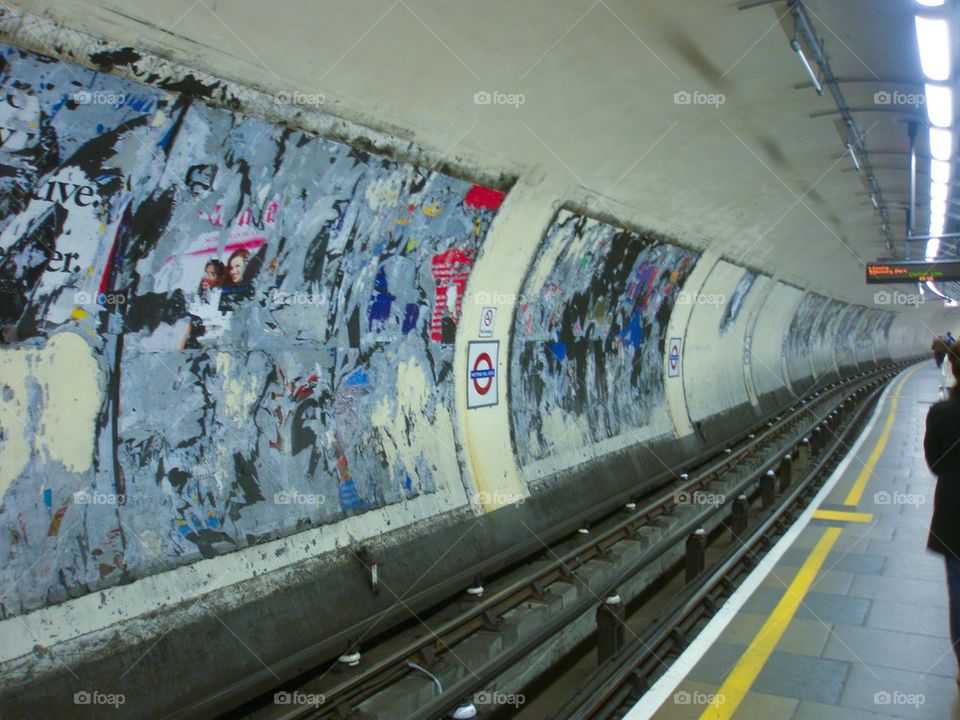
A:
(164, 141)
(633, 334)
(559, 350)
(358, 377)
(48, 498)
(382, 300)
(408, 483)
(411, 317)
(349, 499)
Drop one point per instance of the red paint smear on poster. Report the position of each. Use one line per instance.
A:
(484, 198)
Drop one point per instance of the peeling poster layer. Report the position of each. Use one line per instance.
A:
(588, 347)
(215, 330)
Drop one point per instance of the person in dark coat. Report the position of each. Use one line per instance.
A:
(939, 347)
(941, 448)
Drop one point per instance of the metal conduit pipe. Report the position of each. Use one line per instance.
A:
(855, 137)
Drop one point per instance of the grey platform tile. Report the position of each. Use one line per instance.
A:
(879, 501)
(690, 700)
(891, 649)
(802, 677)
(714, 667)
(827, 580)
(856, 537)
(918, 592)
(807, 710)
(832, 582)
(915, 536)
(892, 520)
(802, 637)
(823, 607)
(760, 706)
(764, 599)
(851, 562)
(855, 563)
(930, 568)
(833, 609)
(908, 618)
(900, 548)
(900, 693)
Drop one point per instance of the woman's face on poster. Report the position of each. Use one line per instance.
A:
(209, 278)
(236, 269)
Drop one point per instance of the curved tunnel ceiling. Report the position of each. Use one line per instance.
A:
(684, 117)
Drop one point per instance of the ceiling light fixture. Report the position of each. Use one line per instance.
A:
(795, 44)
(939, 171)
(933, 37)
(941, 144)
(938, 192)
(853, 156)
(939, 105)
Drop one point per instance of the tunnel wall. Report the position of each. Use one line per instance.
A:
(313, 385)
(714, 379)
(181, 446)
(907, 335)
(865, 346)
(769, 334)
(845, 348)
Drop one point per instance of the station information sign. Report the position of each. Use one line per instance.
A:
(912, 271)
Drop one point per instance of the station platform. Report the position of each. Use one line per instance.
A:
(846, 616)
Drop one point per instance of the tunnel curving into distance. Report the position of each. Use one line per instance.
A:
(285, 361)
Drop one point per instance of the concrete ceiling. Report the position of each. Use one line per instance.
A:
(755, 178)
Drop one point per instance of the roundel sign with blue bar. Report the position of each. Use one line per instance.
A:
(673, 358)
(482, 373)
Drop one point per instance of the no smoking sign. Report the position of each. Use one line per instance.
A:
(487, 318)
(482, 374)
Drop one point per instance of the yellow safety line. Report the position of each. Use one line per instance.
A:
(743, 675)
(856, 492)
(843, 515)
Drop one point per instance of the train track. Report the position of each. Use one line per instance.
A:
(556, 583)
(616, 684)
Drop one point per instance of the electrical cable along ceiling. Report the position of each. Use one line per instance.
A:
(893, 91)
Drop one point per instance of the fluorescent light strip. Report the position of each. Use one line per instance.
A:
(939, 105)
(941, 144)
(938, 192)
(853, 156)
(933, 38)
(939, 171)
(795, 44)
